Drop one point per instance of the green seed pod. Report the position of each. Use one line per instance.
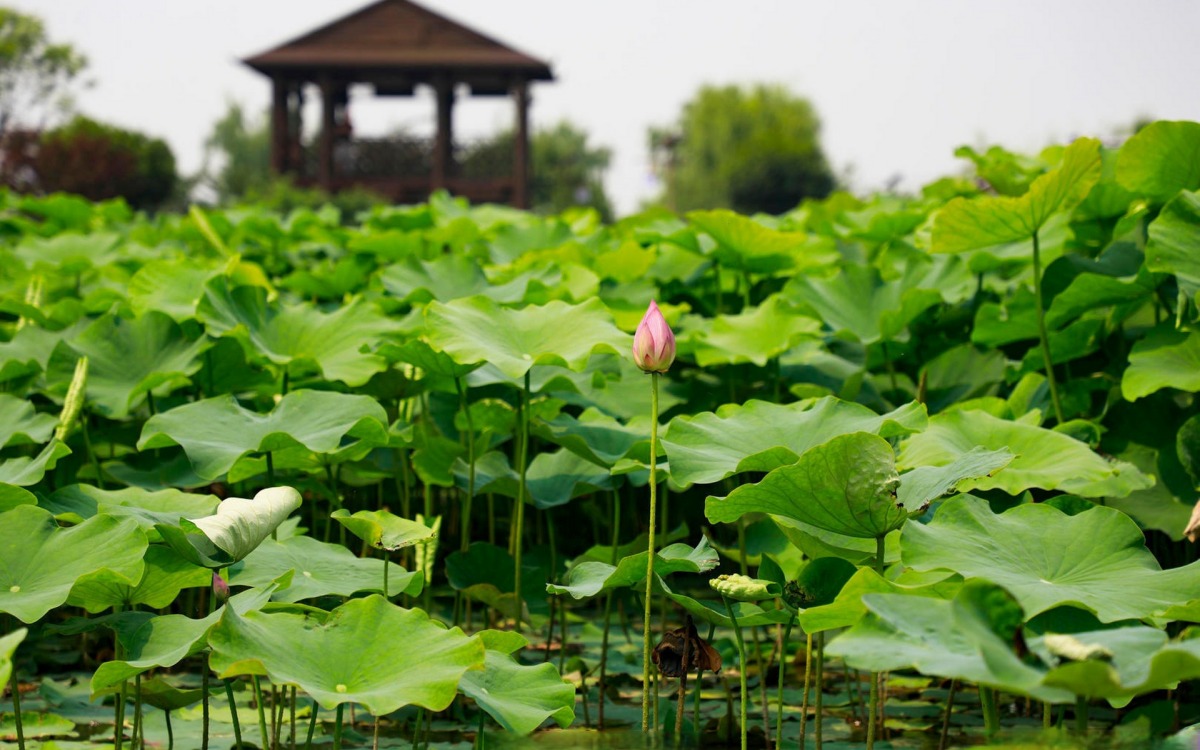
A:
(73, 404)
(744, 588)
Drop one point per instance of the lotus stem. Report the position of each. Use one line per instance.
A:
(787, 635)
(819, 718)
(417, 728)
(16, 698)
(337, 727)
(262, 712)
(469, 498)
(741, 649)
(136, 740)
(873, 715)
(292, 742)
(1047, 718)
(204, 708)
(687, 642)
(944, 739)
(808, 657)
(375, 737)
(991, 717)
(1043, 339)
(233, 714)
(170, 730)
(1081, 714)
(646, 633)
(523, 459)
(608, 601)
(312, 725)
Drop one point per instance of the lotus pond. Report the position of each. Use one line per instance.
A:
(895, 471)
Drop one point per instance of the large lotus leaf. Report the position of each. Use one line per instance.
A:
(39, 562)
(165, 575)
(27, 353)
(333, 341)
(1129, 661)
(216, 432)
(446, 278)
(1174, 235)
(366, 651)
(11, 496)
(1163, 359)
(1160, 160)
(964, 224)
(69, 252)
(745, 244)
(172, 286)
(320, 569)
(937, 637)
(128, 359)
(21, 424)
(147, 508)
(25, 471)
(590, 578)
(595, 436)
(487, 573)
(848, 607)
(861, 301)
(166, 640)
(846, 485)
(519, 697)
(552, 479)
(759, 436)
(1095, 560)
(754, 335)
(8, 646)
(234, 531)
(478, 329)
(383, 530)
(1044, 458)
(749, 614)
(421, 355)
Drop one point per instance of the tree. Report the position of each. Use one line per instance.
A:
(35, 75)
(243, 151)
(751, 150)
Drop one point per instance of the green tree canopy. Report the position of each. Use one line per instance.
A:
(749, 149)
(242, 148)
(34, 73)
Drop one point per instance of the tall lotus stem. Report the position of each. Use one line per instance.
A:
(1043, 339)
(653, 352)
(741, 649)
(787, 635)
(523, 459)
(872, 720)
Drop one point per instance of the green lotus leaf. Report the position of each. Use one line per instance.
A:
(8, 646)
(128, 359)
(39, 562)
(69, 252)
(745, 244)
(945, 638)
(165, 640)
(383, 530)
(421, 355)
(216, 432)
(449, 277)
(1160, 160)
(234, 531)
(847, 608)
(1095, 560)
(964, 225)
(478, 329)
(165, 575)
(1125, 662)
(27, 353)
(1044, 458)
(38, 724)
(818, 583)
(595, 436)
(860, 300)
(487, 573)
(25, 471)
(21, 424)
(172, 286)
(760, 436)
(744, 588)
(749, 614)
(334, 341)
(846, 485)
(147, 508)
(11, 496)
(587, 579)
(552, 479)
(1172, 245)
(366, 651)
(1163, 359)
(754, 335)
(519, 697)
(320, 569)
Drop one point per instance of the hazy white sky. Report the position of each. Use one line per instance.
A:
(898, 84)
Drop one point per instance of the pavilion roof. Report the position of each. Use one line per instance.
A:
(398, 36)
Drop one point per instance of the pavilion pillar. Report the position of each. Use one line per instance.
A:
(279, 125)
(521, 146)
(443, 144)
(325, 157)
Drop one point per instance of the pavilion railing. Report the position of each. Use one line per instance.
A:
(394, 157)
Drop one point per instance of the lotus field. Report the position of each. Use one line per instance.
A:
(878, 472)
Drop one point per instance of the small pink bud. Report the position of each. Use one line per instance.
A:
(220, 588)
(654, 343)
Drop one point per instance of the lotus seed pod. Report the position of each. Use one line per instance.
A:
(654, 342)
(744, 588)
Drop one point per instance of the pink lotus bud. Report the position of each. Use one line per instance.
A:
(220, 588)
(654, 343)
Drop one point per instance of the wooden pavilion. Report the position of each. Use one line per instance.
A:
(395, 46)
